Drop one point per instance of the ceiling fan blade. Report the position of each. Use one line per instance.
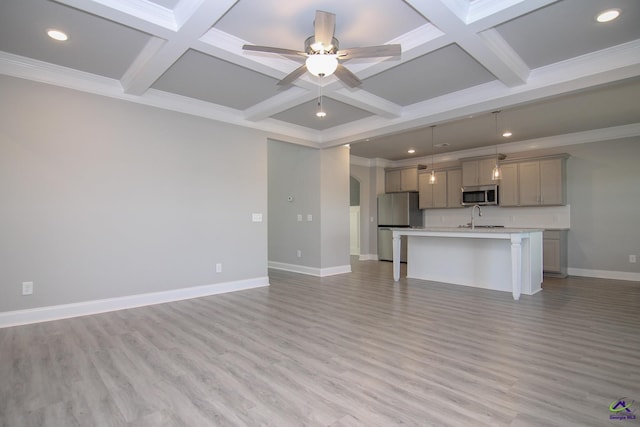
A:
(370, 51)
(269, 49)
(347, 76)
(325, 26)
(289, 78)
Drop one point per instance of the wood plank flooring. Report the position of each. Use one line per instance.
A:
(347, 350)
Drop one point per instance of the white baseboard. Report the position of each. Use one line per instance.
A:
(368, 257)
(604, 274)
(311, 271)
(57, 312)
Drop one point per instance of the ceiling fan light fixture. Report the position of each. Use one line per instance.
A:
(322, 65)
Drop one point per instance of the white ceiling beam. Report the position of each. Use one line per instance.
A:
(144, 72)
(368, 102)
(276, 104)
(509, 69)
(137, 14)
(484, 14)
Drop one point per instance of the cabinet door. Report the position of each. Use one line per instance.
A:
(454, 192)
(551, 255)
(509, 185)
(485, 171)
(425, 191)
(409, 179)
(551, 179)
(470, 173)
(440, 190)
(529, 183)
(392, 181)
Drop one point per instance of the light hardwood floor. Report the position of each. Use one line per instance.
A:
(347, 350)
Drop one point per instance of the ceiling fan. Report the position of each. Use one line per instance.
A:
(322, 53)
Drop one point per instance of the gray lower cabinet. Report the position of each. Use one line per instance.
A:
(554, 253)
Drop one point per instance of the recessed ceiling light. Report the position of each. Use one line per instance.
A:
(411, 151)
(57, 35)
(608, 15)
(507, 134)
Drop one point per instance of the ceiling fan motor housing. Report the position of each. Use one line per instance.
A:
(313, 48)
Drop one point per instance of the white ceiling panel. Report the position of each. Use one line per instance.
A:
(546, 64)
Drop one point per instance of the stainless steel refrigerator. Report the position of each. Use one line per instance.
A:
(396, 210)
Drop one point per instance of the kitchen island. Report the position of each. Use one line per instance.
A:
(502, 259)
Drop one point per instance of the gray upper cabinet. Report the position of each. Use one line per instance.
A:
(508, 186)
(445, 193)
(433, 195)
(401, 179)
(454, 188)
(535, 182)
(542, 182)
(477, 172)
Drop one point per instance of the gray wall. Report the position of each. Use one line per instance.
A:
(368, 199)
(294, 171)
(103, 198)
(354, 192)
(603, 188)
(334, 205)
(318, 182)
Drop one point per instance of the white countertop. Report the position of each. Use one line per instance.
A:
(478, 229)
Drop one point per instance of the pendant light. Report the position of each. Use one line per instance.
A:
(321, 114)
(496, 173)
(432, 177)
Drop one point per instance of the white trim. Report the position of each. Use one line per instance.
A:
(64, 311)
(310, 271)
(368, 257)
(604, 274)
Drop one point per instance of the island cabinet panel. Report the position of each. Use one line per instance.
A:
(508, 186)
(401, 179)
(477, 172)
(454, 190)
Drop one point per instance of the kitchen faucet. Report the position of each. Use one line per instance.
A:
(473, 219)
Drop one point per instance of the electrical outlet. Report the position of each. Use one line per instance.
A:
(299, 217)
(27, 288)
(309, 217)
(219, 267)
(632, 259)
(299, 253)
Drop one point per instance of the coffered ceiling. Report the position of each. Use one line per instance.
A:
(547, 65)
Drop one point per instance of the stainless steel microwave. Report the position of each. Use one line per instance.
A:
(480, 195)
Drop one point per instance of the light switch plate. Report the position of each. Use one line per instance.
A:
(256, 217)
(27, 288)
